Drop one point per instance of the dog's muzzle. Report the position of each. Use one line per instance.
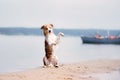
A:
(49, 31)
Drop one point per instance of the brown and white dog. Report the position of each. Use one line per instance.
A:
(51, 40)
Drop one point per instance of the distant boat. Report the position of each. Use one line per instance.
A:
(98, 39)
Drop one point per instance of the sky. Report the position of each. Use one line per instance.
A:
(61, 13)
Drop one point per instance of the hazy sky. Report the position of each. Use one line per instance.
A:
(62, 13)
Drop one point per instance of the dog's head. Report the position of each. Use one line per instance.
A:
(47, 29)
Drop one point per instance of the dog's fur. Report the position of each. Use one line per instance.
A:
(51, 40)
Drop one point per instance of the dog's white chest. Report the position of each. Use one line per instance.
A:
(51, 39)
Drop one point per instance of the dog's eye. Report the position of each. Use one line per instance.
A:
(46, 28)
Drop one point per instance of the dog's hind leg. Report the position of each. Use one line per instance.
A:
(45, 62)
(55, 61)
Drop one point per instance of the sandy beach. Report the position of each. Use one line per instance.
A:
(73, 71)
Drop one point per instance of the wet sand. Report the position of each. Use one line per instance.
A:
(73, 71)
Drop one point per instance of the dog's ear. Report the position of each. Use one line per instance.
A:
(42, 27)
(51, 25)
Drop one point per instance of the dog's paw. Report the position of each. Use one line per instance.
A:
(56, 66)
(50, 65)
(61, 34)
(44, 66)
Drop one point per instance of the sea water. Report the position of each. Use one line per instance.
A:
(18, 53)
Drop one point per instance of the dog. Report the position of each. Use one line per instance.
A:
(51, 40)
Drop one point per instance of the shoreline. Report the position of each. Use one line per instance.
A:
(74, 71)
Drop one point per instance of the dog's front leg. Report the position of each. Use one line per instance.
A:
(58, 37)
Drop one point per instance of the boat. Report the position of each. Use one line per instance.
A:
(98, 39)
